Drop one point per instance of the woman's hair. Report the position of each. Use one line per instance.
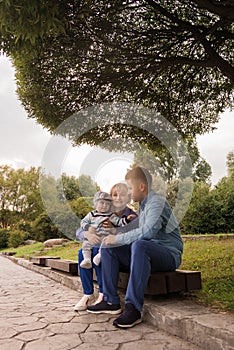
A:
(118, 187)
(140, 174)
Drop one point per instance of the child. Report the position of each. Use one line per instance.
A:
(102, 203)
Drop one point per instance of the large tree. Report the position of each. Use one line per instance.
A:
(174, 56)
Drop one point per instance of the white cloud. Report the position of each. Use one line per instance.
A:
(215, 146)
(22, 140)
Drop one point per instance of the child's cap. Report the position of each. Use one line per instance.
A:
(101, 195)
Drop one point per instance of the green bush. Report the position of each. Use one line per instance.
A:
(17, 238)
(4, 236)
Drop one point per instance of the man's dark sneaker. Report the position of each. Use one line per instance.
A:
(129, 318)
(104, 308)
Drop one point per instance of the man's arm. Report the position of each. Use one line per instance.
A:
(150, 224)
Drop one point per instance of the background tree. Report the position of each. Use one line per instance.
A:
(161, 163)
(230, 163)
(175, 57)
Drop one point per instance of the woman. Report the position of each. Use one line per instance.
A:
(119, 194)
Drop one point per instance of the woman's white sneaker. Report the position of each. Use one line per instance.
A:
(99, 299)
(84, 302)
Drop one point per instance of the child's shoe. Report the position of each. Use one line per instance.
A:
(97, 259)
(86, 264)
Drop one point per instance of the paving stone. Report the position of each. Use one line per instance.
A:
(37, 314)
(11, 344)
(93, 346)
(56, 342)
(110, 337)
(31, 326)
(72, 328)
(7, 332)
(33, 335)
(57, 316)
(24, 320)
(89, 318)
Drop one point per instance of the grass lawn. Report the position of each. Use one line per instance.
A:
(214, 258)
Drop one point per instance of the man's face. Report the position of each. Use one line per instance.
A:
(135, 190)
(103, 206)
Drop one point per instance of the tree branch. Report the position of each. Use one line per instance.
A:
(225, 11)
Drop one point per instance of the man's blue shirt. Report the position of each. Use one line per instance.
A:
(156, 222)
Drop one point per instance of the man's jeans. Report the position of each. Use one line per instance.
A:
(140, 258)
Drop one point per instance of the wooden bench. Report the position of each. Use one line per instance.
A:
(167, 282)
(68, 266)
(8, 253)
(42, 260)
(159, 282)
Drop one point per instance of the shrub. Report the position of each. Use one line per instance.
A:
(4, 236)
(17, 238)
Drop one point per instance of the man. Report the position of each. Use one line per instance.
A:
(155, 245)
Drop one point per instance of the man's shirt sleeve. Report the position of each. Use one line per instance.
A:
(150, 222)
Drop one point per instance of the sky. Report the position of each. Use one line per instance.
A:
(23, 142)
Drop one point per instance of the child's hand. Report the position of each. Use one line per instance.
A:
(131, 217)
(107, 224)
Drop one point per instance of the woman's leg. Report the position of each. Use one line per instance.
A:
(146, 256)
(86, 275)
(98, 270)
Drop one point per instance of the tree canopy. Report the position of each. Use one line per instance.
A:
(175, 57)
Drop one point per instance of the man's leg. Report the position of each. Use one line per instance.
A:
(112, 260)
(146, 256)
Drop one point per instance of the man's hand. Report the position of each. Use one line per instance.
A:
(109, 240)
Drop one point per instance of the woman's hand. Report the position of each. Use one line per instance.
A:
(92, 237)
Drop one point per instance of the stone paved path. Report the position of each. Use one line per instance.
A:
(36, 313)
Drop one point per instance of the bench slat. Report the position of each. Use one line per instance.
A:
(69, 266)
(41, 260)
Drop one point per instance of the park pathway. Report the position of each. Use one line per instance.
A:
(36, 313)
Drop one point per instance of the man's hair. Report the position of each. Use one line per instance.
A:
(140, 174)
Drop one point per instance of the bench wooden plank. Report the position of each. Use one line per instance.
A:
(192, 280)
(175, 282)
(8, 253)
(41, 260)
(157, 284)
(167, 282)
(68, 266)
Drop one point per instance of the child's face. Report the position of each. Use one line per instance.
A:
(120, 198)
(103, 206)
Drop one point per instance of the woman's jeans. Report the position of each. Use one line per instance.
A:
(86, 275)
(140, 258)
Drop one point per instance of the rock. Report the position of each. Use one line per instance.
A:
(53, 242)
(29, 241)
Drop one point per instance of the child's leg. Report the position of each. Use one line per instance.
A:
(86, 249)
(97, 258)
